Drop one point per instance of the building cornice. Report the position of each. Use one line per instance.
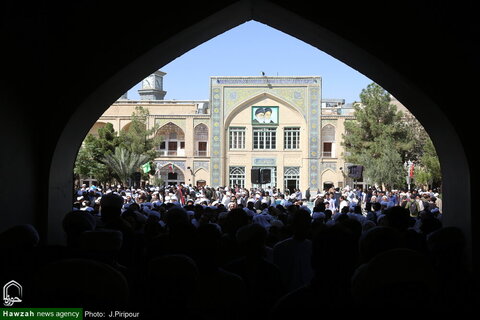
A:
(159, 102)
(160, 116)
(266, 80)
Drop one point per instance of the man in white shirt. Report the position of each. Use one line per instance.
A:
(343, 203)
(331, 202)
(226, 199)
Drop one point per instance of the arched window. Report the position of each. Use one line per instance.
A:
(237, 177)
(291, 178)
(171, 175)
(201, 140)
(172, 140)
(328, 141)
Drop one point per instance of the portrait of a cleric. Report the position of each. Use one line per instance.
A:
(265, 115)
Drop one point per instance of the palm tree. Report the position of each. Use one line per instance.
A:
(124, 163)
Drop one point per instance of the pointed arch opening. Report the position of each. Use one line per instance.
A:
(457, 192)
(201, 140)
(172, 140)
(171, 175)
(255, 100)
(328, 141)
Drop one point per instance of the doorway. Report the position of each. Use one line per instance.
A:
(291, 185)
(327, 185)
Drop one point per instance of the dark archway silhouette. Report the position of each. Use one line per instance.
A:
(451, 155)
(407, 50)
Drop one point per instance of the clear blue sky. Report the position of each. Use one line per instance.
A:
(249, 49)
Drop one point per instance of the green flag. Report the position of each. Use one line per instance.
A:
(146, 167)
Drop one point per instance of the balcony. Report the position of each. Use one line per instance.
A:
(200, 153)
(171, 153)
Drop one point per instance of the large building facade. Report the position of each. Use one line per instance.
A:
(253, 132)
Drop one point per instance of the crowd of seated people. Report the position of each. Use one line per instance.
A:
(195, 261)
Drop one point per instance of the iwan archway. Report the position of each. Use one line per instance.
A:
(457, 191)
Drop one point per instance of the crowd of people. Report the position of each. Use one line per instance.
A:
(237, 253)
(88, 198)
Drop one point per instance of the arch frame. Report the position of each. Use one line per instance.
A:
(197, 140)
(326, 170)
(200, 124)
(170, 163)
(454, 163)
(257, 98)
(170, 123)
(198, 169)
(182, 171)
(329, 125)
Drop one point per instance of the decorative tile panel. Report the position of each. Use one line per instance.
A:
(271, 162)
(314, 136)
(206, 122)
(181, 123)
(201, 165)
(235, 96)
(329, 165)
(333, 122)
(162, 163)
(216, 126)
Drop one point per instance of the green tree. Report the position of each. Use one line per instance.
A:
(140, 140)
(124, 163)
(89, 162)
(137, 138)
(385, 169)
(428, 171)
(377, 138)
(417, 135)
